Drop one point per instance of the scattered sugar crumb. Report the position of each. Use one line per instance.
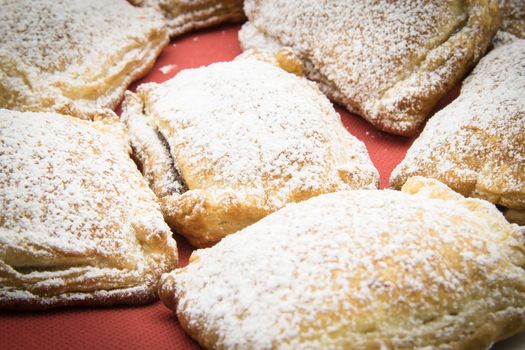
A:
(168, 68)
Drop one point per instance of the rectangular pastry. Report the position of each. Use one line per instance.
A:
(73, 56)
(78, 225)
(241, 139)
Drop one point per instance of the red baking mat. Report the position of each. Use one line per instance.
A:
(154, 326)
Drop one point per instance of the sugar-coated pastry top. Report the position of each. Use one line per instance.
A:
(256, 127)
(476, 143)
(74, 56)
(418, 269)
(244, 138)
(389, 61)
(79, 224)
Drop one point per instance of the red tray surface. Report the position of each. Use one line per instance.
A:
(154, 326)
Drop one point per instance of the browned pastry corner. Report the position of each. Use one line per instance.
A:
(78, 225)
(422, 268)
(182, 16)
(74, 57)
(257, 139)
(513, 17)
(476, 145)
(389, 61)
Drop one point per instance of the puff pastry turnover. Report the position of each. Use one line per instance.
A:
(389, 61)
(181, 16)
(74, 56)
(423, 268)
(513, 17)
(476, 145)
(78, 225)
(227, 144)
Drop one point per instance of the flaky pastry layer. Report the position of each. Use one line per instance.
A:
(78, 225)
(182, 16)
(423, 268)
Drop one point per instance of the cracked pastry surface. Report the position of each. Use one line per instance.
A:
(389, 61)
(476, 144)
(181, 16)
(424, 268)
(78, 225)
(242, 139)
(74, 57)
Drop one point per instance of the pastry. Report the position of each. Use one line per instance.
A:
(78, 225)
(74, 57)
(423, 268)
(389, 61)
(224, 145)
(476, 144)
(182, 16)
(513, 17)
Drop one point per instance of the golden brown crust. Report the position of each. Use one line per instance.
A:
(268, 156)
(424, 268)
(205, 216)
(79, 225)
(74, 57)
(475, 144)
(501, 325)
(182, 16)
(124, 296)
(284, 58)
(515, 215)
(389, 69)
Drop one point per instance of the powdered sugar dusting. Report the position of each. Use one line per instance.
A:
(375, 57)
(503, 38)
(168, 68)
(384, 267)
(256, 129)
(76, 214)
(73, 56)
(513, 17)
(476, 144)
